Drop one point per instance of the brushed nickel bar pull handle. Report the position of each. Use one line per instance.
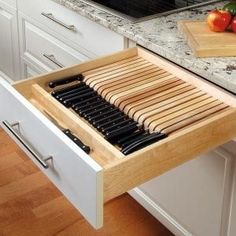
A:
(29, 148)
(52, 58)
(53, 18)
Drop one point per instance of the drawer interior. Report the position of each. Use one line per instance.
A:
(161, 97)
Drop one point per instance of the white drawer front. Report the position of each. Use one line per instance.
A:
(42, 47)
(86, 33)
(75, 174)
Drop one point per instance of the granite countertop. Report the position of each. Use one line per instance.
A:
(161, 36)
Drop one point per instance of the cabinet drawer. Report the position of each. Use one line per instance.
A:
(90, 180)
(87, 34)
(42, 48)
(76, 174)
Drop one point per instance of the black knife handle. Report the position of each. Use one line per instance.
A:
(63, 81)
(147, 140)
(134, 139)
(69, 102)
(114, 135)
(72, 91)
(77, 141)
(60, 91)
(122, 141)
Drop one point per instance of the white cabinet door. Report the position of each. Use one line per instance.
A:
(232, 221)
(232, 218)
(192, 199)
(30, 71)
(9, 50)
(10, 2)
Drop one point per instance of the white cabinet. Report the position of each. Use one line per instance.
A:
(232, 218)
(45, 51)
(192, 199)
(232, 222)
(12, 3)
(48, 36)
(77, 31)
(52, 36)
(29, 70)
(9, 49)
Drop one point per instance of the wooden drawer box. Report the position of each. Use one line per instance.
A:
(90, 180)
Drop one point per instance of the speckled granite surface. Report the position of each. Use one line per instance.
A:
(161, 36)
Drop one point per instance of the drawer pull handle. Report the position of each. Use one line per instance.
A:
(53, 18)
(52, 58)
(29, 148)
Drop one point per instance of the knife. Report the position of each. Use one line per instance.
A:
(122, 141)
(109, 118)
(69, 102)
(74, 90)
(68, 133)
(145, 141)
(115, 135)
(77, 141)
(66, 80)
(73, 94)
(60, 91)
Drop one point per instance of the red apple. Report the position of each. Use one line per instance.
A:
(233, 25)
(219, 20)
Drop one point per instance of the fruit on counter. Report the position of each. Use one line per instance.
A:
(219, 20)
(233, 25)
(230, 7)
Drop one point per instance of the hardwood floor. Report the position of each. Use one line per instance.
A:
(31, 205)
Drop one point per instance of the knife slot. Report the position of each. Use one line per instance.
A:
(145, 89)
(124, 71)
(45, 102)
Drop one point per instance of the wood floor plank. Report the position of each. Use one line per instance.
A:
(22, 186)
(17, 172)
(53, 207)
(130, 220)
(10, 160)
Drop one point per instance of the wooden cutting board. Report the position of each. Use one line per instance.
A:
(206, 43)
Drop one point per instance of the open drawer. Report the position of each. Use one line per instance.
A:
(30, 115)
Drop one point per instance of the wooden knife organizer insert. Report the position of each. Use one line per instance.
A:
(154, 92)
